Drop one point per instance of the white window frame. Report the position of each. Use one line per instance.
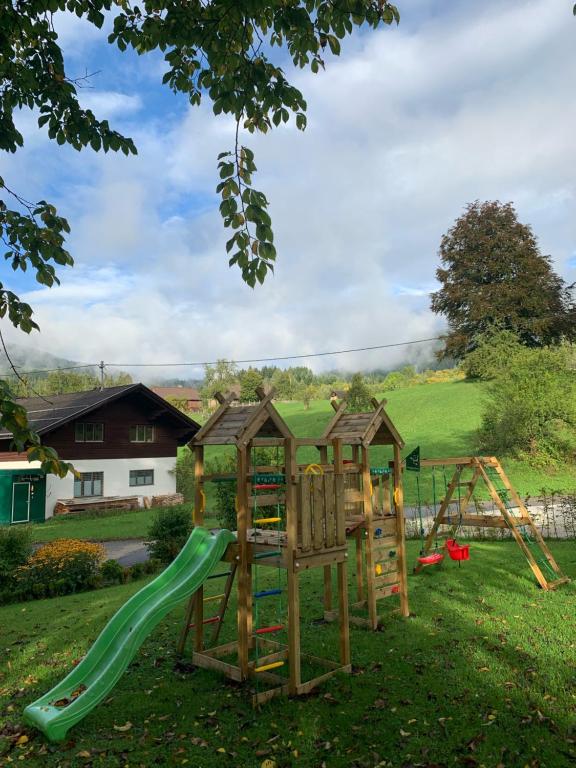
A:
(134, 474)
(141, 437)
(85, 424)
(84, 479)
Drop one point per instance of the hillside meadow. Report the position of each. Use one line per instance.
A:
(440, 418)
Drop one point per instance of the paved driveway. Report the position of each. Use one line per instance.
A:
(126, 551)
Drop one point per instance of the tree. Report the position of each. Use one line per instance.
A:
(493, 354)
(531, 409)
(219, 50)
(250, 380)
(358, 396)
(284, 385)
(217, 378)
(494, 274)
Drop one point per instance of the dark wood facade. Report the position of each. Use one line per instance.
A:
(171, 429)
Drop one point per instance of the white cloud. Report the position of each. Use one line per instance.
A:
(403, 132)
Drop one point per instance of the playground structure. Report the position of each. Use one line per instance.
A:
(509, 513)
(373, 504)
(292, 517)
(305, 530)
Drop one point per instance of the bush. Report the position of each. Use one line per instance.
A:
(15, 549)
(495, 348)
(60, 567)
(531, 410)
(168, 532)
(112, 572)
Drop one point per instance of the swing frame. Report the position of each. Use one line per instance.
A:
(519, 523)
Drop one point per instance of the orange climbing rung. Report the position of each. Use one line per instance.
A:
(212, 620)
(266, 667)
(263, 520)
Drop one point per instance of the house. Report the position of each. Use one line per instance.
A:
(122, 441)
(187, 398)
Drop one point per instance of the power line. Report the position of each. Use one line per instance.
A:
(274, 359)
(238, 362)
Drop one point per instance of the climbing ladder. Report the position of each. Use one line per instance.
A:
(513, 516)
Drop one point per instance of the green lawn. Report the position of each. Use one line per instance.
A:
(482, 674)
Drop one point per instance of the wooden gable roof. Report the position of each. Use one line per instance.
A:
(369, 428)
(238, 424)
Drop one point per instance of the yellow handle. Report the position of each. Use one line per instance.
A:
(313, 469)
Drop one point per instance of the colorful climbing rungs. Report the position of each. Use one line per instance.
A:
(267, 520)
(267, 593)
(211, 598)
(266, 487)
(267, 630)
(212, 620)
(272, 665)
(219, 575)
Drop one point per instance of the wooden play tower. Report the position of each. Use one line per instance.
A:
(305, 529)
(374, 512)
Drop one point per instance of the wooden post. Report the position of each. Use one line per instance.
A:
(292, 569)
(244, 576)
(327, 568)
(341, 568)
(368, 518)
(199, 501)
(400, 528)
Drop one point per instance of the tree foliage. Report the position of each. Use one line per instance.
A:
(492, 353)
(531, 408)
(250, 380)
(358, 396)
(222, 51)
(494, 274)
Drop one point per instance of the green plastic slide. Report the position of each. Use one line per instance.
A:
(101, 668)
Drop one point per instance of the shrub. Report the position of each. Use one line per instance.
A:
(112, 572)
(168, 532)
(495, 348)
(136, 571)
(531, 410)
(60, 567)
(15, 549)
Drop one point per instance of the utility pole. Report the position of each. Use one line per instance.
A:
(101, 366)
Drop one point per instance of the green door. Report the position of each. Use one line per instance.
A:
(20, 502)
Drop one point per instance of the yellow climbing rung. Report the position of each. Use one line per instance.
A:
(213, 597)
(267, 520)
(266, 667)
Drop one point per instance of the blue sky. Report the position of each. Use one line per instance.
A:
(462, 101)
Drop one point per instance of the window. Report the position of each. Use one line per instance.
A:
(141, 477)
(142, 433)
(89, 484)
(89, 433)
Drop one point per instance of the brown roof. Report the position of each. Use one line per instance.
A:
(177, 393)
(45, 414)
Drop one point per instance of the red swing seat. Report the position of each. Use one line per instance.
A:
(433, 559)
(457, 551)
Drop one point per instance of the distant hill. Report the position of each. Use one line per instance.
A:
(32, 359)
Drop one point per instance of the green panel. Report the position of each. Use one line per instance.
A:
(38, 500)
(20, 502)
(5, 497)
(99, 671)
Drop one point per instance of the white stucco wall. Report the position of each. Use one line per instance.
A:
(116, 478)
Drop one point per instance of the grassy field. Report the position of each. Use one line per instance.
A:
(440, 418)
(123, 525)
(482, 674)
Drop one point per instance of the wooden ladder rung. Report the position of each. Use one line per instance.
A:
(558, 582)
